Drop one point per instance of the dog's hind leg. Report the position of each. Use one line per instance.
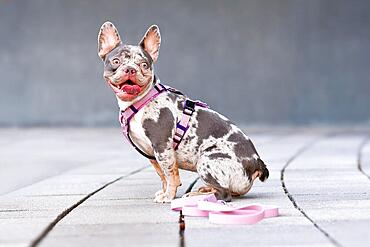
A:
(220, 193)
(204, 190)
(216, 178)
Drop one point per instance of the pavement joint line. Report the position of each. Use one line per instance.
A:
(191, 185)
(290, 196)
(45, 195)
(62, 215)
(359, 156)
(182, 217)
(14, 210)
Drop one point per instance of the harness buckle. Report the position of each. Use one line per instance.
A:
(189, 107)
(177, 137)
(188, 111)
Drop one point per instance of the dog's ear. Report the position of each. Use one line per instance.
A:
(108, 39)
(151, 42)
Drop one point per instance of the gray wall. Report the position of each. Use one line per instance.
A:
(262, 61)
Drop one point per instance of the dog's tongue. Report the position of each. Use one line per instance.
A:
(131, 89)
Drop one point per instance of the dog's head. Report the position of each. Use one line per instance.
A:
(128, 69)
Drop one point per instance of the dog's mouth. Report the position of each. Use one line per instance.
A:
(125, 87)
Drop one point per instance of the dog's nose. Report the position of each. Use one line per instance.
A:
(129, 71)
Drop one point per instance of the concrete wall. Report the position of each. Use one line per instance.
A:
(270, 62)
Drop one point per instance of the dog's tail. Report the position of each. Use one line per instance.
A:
(254, 165)
(264, 172)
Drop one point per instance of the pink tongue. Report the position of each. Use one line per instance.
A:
(131, 89)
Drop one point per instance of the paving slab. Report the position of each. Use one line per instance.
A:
(325, 183)
(27, 212)
(29, 155)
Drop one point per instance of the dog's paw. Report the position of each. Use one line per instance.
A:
(159, 192)
(162, 198)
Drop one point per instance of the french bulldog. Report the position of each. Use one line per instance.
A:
(222, 155)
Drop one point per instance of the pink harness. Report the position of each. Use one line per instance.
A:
(181, 127)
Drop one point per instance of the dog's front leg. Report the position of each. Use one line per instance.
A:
(160, 133)
(175, 181)
(160, 173)
(167, 163)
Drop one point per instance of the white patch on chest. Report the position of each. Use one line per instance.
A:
(137, 133)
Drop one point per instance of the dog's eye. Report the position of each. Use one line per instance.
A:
(144, 65)
(116, 61)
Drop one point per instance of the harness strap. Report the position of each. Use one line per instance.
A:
(126, 115)
(181, 127)
(136, 147)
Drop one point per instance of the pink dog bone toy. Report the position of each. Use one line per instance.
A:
(221, 213)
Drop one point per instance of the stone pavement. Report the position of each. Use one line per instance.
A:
(318, 177)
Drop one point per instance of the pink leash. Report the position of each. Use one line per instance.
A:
(221, 213)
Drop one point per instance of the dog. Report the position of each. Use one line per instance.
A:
(222, 155)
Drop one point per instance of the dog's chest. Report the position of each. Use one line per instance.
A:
(138, 135)
(138, 132)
